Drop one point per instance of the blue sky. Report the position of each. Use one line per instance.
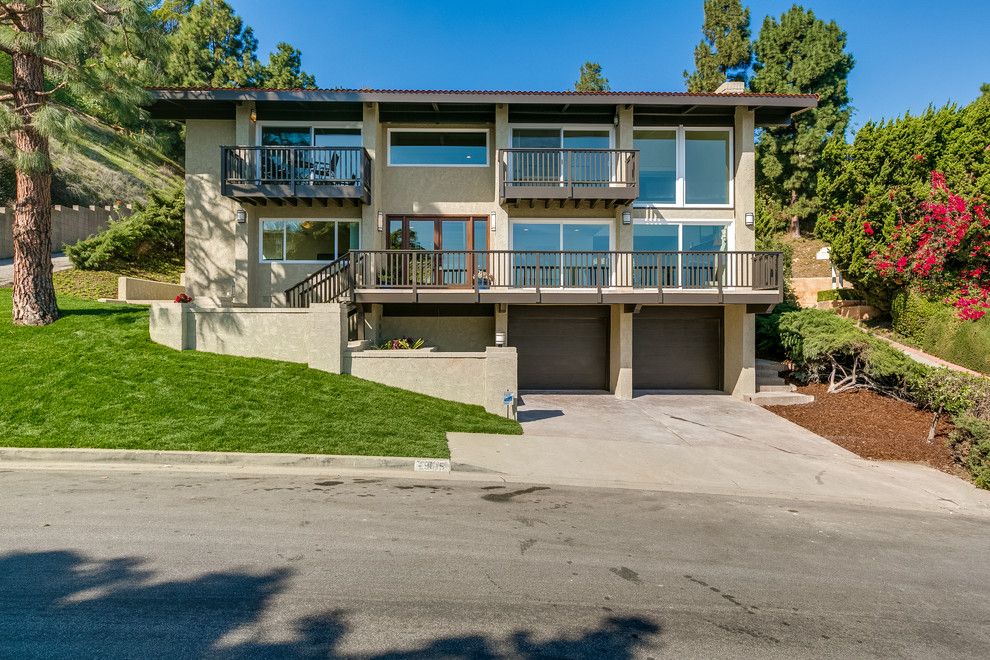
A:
(909, 53)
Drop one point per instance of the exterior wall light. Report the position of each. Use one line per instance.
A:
(491, 220)
(254, 115)
(627, 217)
(750, 219)
(500, 339)
(241, 216)
(381, 221)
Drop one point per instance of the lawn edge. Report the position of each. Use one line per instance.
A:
(231, 459)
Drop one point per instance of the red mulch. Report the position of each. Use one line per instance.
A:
(874, 426)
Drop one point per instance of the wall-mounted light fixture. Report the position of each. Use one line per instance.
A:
(381, 221)
(254, 115)
(241, 216)
(627, 217)
(491, 220)
(750, 219)
(500, 339)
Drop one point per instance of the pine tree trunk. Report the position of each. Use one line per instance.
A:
(34, 293)
(795, 222)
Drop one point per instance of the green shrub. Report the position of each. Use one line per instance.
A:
(935, 328)
(768, 331)
(971, 442)
(152, 236)
(826, 347)
(829, 295)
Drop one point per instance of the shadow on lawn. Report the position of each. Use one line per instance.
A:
(62, 604)
(108, 310)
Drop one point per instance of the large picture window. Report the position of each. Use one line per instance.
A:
(308, 240)
(431, 148)
(685, 166)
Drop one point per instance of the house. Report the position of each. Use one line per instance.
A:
(606, 236)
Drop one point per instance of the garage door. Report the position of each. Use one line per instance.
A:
(677, 348)
(562, 348)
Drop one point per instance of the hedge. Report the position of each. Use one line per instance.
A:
(829, 295)
(934, 327)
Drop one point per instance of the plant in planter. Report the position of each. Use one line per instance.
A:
(402, 343)
(483, 279)
(183, 298)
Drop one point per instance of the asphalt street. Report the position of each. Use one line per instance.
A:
(157, 563)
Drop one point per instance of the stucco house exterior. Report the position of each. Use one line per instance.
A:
(607, 237)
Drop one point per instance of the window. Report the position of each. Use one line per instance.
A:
(657, 166)
(706, 167)
(309, 136)
(685, 237)
(308, 240)
(673, 269)
(448, 147)
(685, 166)
(437, 233)
(561, 253)
(536, 167)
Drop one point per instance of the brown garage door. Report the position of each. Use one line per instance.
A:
(677, 348)
(562, 348)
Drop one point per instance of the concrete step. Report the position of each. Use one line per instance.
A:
(775, 387)
(779, 398)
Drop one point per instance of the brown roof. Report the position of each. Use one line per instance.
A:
(485, 92)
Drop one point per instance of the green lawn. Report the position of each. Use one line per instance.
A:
(94, 379)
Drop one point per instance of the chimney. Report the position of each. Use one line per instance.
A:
(731, 87)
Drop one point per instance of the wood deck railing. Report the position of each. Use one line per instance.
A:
(342, 172)
(571, 174)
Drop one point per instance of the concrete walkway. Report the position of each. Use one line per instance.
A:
(925, 358)
(59, 262)
(699, 443)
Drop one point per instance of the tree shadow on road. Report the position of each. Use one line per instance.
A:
(62, 604)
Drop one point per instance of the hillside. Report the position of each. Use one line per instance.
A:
(103, 165)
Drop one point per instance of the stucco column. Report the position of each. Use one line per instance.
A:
(371, 238)
(744, 178)
(739, 351)
(621, 352)
(499, 239)
(500, 377)
(373, 324)
(327, 337)
(623, 140)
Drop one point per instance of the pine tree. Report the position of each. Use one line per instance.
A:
(284, 69)
(591, 78)
(726, 51)
(800, 54)
(65, 55)
(211, 47)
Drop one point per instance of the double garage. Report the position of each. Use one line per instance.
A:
(568, 347)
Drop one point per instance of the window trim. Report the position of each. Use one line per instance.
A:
(562, 221)
(730, 232)
(284, 221)
(566, 127)
(313, 125)
(680, 189)
(388, 146)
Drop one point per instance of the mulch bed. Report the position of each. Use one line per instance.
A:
(874, 426)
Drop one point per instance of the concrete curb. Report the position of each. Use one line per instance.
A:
(231, 459)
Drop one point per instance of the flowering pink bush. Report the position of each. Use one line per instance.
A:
(944, 250)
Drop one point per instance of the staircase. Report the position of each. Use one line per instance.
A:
(332, 283)
(772, 390)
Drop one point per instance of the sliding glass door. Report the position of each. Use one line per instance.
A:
(554, 166)
(550, 254)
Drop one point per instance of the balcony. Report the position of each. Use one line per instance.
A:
(569, 177)
(521, 277)
(294, 175)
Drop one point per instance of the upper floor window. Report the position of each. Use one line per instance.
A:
(438, 147)
(309, 136)
(685, 166)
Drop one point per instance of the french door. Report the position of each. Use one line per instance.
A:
(449, 242)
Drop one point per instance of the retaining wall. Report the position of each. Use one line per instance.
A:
(69, 225)
(317, 336)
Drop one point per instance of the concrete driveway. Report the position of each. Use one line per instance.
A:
(704, 443)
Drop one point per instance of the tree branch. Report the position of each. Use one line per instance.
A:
(14, 16)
